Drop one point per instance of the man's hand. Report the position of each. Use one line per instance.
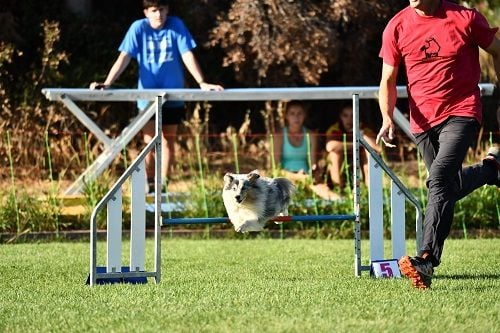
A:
(386, 133)
(98, 85)
(210, 86)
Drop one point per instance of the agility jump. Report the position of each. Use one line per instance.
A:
(136, 271)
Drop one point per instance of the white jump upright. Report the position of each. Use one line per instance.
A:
(138, 219)
(376, 211)
(136, 272)
(399, 194)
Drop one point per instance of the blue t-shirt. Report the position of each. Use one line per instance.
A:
(158, 54)
(294, 158)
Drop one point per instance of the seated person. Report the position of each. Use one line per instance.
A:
(291, 151)
(335, 146)
(290, 146)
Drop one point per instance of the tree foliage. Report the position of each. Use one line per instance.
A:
(248, 43)
(277, 42)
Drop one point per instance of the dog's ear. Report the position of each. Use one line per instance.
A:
(228, 178)
(253, 176)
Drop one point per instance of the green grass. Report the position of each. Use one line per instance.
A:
(258, 285)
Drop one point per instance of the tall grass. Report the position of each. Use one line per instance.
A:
(94, 189)
(310, 179)
(474, 211)
(201, 177)
(12, 196)
(202, 197)
(235, 149)
(52, 197)
(21, 212)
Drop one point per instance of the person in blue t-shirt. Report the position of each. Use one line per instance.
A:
(160, 44)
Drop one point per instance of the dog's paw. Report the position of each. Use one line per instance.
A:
(250, 226)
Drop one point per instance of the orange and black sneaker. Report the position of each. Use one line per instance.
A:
(418, 270)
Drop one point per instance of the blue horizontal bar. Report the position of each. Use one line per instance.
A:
(195, 220)
(285, 219)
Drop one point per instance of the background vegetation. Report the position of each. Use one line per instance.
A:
(242, 43)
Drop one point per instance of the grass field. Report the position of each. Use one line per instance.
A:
(258, 285)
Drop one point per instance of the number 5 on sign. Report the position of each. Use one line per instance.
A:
(385, 268)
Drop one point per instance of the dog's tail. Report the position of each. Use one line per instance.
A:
(286, 187)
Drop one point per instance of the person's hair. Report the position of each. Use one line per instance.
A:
(155, 3)
(345, 107)
(295, 103)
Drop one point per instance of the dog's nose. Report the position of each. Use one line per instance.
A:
(238, 198)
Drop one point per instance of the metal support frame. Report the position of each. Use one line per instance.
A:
(356, 182)
(112, 147)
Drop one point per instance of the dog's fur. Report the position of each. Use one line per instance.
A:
(252, 200)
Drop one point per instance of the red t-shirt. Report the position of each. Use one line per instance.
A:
(441, 57)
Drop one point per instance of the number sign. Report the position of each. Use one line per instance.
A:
(385, 268)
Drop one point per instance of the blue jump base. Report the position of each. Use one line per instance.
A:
(284, 219)
(125, 269)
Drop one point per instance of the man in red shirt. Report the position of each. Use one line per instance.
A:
(438, 43)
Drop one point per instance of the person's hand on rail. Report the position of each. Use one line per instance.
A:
(98, 85)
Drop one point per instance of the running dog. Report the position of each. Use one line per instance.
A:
(252, 200)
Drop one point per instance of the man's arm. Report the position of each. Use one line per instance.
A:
(194, 68)
(387, 101)
(114, 73)
(494, 50)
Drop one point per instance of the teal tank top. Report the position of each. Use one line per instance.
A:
(294, 158)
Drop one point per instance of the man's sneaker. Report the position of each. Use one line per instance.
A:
(493, 158)
(418, 270)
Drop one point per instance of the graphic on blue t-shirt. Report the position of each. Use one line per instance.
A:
(159, 50)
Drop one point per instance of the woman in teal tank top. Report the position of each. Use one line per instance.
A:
(291, 149)
(294, 158)
(290, 146)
